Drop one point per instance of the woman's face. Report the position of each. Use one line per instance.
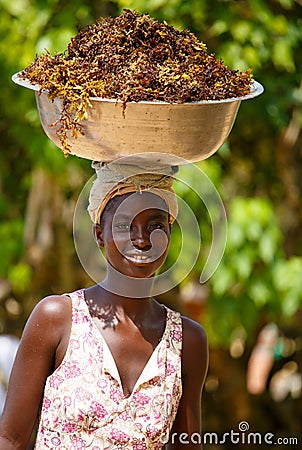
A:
(135, 233)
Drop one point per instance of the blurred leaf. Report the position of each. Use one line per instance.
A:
(287, 279)
(222, 280)
(11, 234)
(260, 292)
(241, 31)
(20, 276)
(267, 246)
(283, 56)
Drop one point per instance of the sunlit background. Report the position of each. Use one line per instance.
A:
(251, 307)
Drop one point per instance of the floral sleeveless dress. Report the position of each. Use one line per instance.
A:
(84, 406)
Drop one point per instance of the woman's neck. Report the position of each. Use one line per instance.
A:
(125, 287)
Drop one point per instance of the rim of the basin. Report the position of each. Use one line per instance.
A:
(256, 89)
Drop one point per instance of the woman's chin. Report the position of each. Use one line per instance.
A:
(135, 268)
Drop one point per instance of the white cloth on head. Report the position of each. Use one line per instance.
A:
(117, 179)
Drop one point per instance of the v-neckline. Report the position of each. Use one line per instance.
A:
(115, 372)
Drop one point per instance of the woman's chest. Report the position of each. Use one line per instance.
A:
(129, 352)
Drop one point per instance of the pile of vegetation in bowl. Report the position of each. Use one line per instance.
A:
(132, 58)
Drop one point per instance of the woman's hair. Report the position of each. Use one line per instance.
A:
(109, 207)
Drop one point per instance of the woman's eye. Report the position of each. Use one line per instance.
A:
(157, 226)
(122, 227)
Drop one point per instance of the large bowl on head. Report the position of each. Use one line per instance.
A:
(190, 131)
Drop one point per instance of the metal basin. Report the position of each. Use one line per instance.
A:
(190, 131)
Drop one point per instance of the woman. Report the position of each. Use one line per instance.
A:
(111, 367)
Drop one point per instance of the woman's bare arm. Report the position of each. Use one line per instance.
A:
(186, 430)
(44, 339)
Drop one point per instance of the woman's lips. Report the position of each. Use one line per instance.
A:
(141, 257)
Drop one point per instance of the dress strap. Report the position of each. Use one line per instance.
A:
(174, 332)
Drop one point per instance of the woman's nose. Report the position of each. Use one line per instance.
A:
(140, 238)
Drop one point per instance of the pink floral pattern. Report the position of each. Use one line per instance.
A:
(84, 406)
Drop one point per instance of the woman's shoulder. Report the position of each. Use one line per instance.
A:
(195, 348)
(53, 307)
(193, 333)
(47, 329)
(50, 317)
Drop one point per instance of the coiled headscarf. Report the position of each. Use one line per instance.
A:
(117, 178)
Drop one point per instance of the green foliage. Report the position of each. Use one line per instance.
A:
(20, 277)
(287, 279)
(11, 234)
(254, 277)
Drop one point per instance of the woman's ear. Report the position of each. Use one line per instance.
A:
(98, 234)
